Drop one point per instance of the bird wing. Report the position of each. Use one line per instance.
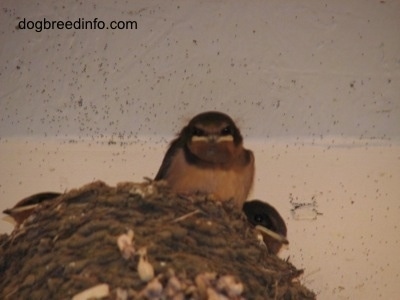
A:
(167, 161)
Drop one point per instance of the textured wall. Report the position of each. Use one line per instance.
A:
(313, 85)
(284, 68)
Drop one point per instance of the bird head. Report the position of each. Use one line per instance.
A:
(212, 137)
(269, 223)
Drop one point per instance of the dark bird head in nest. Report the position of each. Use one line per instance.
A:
(268, 222)
(208, 157)
(25, 207)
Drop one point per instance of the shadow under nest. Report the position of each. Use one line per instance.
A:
(198, 249)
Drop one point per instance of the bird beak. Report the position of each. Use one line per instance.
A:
(223, 138)
(274, 235)
(212, 138)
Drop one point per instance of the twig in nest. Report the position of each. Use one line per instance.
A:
(276, 290)
(186, 216)
(270, 271)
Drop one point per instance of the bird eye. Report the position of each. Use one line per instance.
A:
(264, 220)
(258, 218)
(197, 132)
(227, 131)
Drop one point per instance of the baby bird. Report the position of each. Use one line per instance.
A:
(208, 157)
(268, 222)
(24, 208)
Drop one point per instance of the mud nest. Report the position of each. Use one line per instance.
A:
(138, 241)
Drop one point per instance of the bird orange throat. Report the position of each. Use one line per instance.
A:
(221, 152)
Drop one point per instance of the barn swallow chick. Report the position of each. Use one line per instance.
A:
(24, 208)
(268, 222)
(208, 158)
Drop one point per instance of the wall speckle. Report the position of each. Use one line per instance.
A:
(294, 65)
(314, 87)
